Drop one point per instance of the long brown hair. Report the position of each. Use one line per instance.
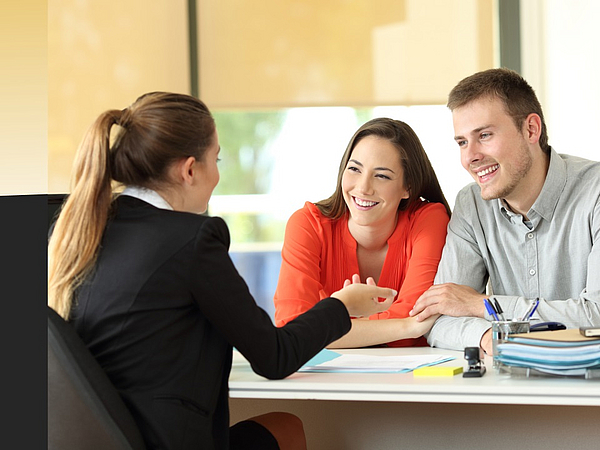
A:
(419, 176)
(158, 129)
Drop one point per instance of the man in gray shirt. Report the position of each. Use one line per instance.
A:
(528, 227)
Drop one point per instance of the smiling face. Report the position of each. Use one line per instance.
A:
(373, 183)
(493, 150)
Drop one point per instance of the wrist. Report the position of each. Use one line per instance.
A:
(485, 343)
(480, 312)
(413, 330)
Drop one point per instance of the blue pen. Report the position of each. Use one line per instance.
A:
(490, 309)
(530, 310)
(537, 302)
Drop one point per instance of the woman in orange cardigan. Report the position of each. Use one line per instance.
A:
(385, 223)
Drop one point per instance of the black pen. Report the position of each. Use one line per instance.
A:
(490, 309)
(499, 309)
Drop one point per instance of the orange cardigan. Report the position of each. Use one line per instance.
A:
(319, 254)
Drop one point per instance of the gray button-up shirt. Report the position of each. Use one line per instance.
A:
(554, 256)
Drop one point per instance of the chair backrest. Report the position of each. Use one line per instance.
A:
(85, 411)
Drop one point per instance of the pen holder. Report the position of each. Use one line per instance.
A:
(501, 330)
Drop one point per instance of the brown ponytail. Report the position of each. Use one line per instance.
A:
(84, 214)
(158, 129)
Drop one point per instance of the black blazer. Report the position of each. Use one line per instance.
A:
(161, 312)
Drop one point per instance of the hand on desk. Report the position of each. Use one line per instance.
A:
(486, 342)
(450, 299)
(364, 299)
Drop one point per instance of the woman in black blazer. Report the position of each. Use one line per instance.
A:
(149, 286)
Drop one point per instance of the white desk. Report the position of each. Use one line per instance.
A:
(381, 411)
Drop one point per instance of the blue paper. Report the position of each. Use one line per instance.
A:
(321, 357)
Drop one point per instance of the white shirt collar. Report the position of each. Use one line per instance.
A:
(147, 195)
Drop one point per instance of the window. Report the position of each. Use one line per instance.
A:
(274, 161)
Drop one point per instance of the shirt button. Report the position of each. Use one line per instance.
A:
(531, 272)
(529, 235)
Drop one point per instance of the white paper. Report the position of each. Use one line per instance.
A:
(374, 363)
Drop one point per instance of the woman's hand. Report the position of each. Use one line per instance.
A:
(417, 329)
(356, 279)
(364, 299)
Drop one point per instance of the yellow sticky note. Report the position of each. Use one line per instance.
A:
(437, 371)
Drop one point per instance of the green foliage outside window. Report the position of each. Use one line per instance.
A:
(246, 167)
(245, 164)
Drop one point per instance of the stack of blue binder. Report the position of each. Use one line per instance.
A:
(562, 352)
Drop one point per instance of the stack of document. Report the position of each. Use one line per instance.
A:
(562, 352)
(330, 361)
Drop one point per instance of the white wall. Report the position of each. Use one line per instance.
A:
(561, 60)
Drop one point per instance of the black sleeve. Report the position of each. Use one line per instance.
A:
(224, 299)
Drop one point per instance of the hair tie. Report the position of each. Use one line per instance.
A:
(124, 119)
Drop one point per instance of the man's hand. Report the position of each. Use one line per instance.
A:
(450, 299)
(486, 342)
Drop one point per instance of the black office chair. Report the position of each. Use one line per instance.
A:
(85, 411)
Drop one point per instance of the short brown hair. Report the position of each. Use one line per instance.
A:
(507, 85)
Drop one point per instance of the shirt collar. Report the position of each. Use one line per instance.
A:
(555, 182)
(147, 195)
(556, 179)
